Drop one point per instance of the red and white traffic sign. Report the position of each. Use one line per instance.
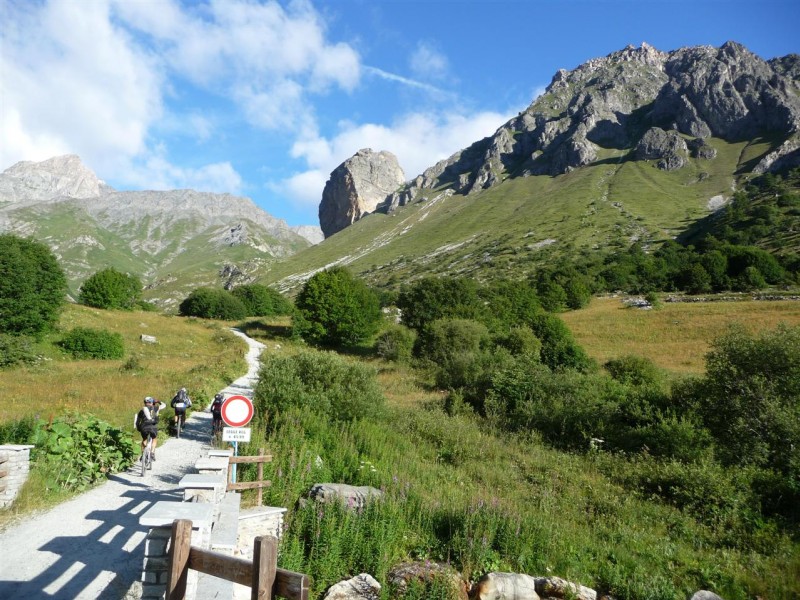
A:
(237, 411)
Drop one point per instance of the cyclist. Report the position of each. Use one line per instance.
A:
(146, 422)
(216, 413)
(180, 402)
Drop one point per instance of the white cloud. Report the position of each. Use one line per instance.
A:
(418, 140)
(157, 173)
(428, 63)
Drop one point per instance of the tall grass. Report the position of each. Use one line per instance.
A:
(457, 492)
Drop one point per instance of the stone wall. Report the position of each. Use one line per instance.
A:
(14, 469)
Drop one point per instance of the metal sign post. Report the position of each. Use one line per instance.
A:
(236, 411)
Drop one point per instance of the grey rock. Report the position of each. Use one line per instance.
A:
(360, 587)
(357, 187)
(312, 233)
(699, 148)
(505, 586)
(667, 147)
(401, 576)
(705, 595)
(555, 587)
(352, 496)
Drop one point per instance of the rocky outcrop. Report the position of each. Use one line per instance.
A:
(360, 587)
(310, 232)
(351, 496)
(608, 102)
(666, 147)
(404, 575)
(356, 187)
(59, 177)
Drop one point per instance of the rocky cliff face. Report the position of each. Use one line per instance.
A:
(356, 187)
(638, 99)
(172, 236)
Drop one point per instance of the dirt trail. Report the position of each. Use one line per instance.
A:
(92, 546)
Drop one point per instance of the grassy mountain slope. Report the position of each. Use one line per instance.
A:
(511, 228)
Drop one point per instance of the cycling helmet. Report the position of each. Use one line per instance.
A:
(218, 397)
(149, 400)
(183, 389)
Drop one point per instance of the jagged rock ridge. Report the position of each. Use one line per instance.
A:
(356, 187)
(613, 102)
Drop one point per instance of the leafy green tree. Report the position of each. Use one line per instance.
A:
(262, 301)
(86, 342)
(334, 308)
(433, 298)
(559, 348)
(32, 287)
(396, 343)
(213, 303)
(694, 279)
(509, 304)
(111, 289)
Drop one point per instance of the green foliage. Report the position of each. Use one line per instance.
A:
(635, 370)
(559, 348)
(334, 308)
(32, 287)
(111, 289)
(22, 431)
(213, 303)
(509, 303)
(262, 301)
(432, 298)
(86, 342)
(396, 343)
(750, 399)
(75, 452)
(521, 341)
(318, 381)
(15, 350)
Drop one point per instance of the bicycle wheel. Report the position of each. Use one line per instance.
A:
(145, 458)
(178, 426)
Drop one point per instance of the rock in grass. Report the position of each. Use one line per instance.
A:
(505, 586)
(350, 495)
(403, 575)
(360, 587)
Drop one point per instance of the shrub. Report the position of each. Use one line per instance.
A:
(521, 341)
(334, 308)
(32, 287)
(15, 350)
(111, 289)
(213, 303)
(396, 343)
(85, 342)
(433, 298)
(262, 301)
(559, 348)
(634, 370)
(318, 381)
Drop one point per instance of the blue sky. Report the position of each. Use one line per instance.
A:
(264, 99)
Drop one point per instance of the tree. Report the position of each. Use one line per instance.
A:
(111, 289)
(334, 308)
(262, 301)
(433, 298)
(32, 286)
(213, 303)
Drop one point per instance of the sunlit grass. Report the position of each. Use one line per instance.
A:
(676, 336)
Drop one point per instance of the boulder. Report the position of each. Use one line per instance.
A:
(705, 595)
(360, 587)
(701, 149)
(505, 586)
(667, 147)
(357, 187)
(352, 496)
(555, 587)
(404, 574)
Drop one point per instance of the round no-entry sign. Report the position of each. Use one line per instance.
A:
(237, 411)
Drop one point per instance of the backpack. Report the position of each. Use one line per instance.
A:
(139, 420)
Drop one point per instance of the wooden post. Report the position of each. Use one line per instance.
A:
(260, 498)
(265, 567)
(178, 569)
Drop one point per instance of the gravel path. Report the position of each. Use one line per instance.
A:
(92, 546)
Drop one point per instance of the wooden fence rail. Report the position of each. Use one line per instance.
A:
(251, 485)
(262, 575)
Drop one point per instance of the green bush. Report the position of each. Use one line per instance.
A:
(74, 452)
(213, 303)
(32, 287)
(521, 341)
(396, 343)
(318, 381)
(334, 308)
(262, 301)
(432, 298)
(111, 289)
(634, 370)
(559, 348)
(85, 342)
(15, 350)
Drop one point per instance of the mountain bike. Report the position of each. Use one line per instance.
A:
(216, 425)
(180, 423)
(147, 455)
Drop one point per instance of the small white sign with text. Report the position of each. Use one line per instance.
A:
(235, 434)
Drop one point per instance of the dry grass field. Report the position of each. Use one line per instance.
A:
(675, 336)
(202, 356)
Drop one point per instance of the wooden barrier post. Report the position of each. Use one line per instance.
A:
(180, 548)
(260, 498)
(265, 566)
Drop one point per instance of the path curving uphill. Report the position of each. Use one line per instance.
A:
(92, 546)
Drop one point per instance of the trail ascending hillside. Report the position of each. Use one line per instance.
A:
(92, 546)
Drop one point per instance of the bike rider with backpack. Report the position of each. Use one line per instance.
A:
(146, 423)
(216, 413)
(180, 402)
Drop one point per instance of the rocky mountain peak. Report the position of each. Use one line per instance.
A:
(356, 187)
(61, 176)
